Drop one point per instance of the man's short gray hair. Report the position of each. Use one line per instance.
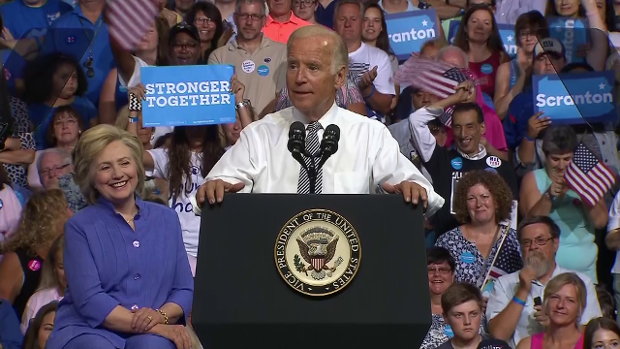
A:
(240, 3)
(340, 53)
(448, 50)
(65, 156)
(341, 3)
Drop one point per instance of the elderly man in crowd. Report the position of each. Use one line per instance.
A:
(514, 309)
(368, 156)
(52, 164)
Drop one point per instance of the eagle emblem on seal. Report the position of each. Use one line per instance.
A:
(317, 247)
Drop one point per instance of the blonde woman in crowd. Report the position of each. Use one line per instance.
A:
(52, 286)
(42, 222)
(563, 302)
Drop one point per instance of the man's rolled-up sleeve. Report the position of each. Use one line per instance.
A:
(236, 165)
(392, 167)
(83, 278)
(498, 300)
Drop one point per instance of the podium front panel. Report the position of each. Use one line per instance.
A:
(241, 299)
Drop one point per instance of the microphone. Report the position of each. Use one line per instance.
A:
(297, 142)
(329, 144)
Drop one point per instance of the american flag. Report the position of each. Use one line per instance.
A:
(129, 20)
(507, 260)
(587, 176)
(438, 78)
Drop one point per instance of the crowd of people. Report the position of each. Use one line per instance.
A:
(516, 257)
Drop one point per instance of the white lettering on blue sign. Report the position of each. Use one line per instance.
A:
(543, 100)
(193, 93)
(413, 35)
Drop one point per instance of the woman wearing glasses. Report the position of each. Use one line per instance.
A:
(207, 19)
(440, 266)
(305, 9)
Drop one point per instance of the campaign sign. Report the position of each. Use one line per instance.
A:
(506, 31)
(188, 95)
(573, 33)
(576, 98)
(408, 31)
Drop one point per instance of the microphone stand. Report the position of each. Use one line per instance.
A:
(312, 173)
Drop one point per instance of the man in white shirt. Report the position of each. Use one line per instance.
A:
(370, 65)
(612, 240)
(511, 310)
(367, 157)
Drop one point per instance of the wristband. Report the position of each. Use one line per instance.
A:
(372, 92)
(133, 120)
(243, 104)
(529, 139)
(518, 301)
(463, 12)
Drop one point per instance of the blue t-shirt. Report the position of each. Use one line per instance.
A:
(520, 111)
(41, 115)
(74, 35)
(20, 18)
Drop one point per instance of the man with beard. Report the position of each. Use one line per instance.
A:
(260, 63)
(514, 310)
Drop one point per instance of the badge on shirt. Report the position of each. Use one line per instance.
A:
(486, 68)
(457, 163)
(70, 39)
(267, 60)
(263, 70)
(492, 170)
(34, 265)
(494, 162)
(467, 257)
(248, 66)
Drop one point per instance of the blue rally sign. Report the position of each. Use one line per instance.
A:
(506, 31)
(188, 95)
(408, 31)
(576, 98)
(573, 34)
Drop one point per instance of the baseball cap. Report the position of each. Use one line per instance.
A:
(549, 45)
(184, 27)
(491, 343)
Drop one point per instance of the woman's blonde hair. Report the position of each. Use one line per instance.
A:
(48, 274)
(554, 285)
(90, 146)
(42, 220)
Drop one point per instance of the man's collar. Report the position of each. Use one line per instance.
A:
(482, 152)
(264, 42)
(293, 19)
(326, 120)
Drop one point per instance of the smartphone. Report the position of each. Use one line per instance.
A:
(537, 301)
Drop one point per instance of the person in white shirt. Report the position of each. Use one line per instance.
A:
(511, 310)
(612, 240)
(370, 65)
(368, 157)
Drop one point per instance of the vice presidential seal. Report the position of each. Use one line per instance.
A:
(318, 252)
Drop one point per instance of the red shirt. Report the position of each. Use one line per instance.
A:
(280, 32)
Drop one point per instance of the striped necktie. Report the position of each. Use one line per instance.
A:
(312, 147)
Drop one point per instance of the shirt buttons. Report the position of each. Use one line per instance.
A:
(136, 243)
(134, 307)
(137, 276)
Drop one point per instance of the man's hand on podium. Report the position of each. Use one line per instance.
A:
(412, 191)
(214, 191)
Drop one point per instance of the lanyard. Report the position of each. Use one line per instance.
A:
(91, 41)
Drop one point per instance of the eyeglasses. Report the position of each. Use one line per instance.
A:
(184, 45)
(440, 270)
(88, 64)
(540, 241)
(46, 171)
(205, 20)
(245, 16)
(307, 3)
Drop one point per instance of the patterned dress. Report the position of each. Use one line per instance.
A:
(21, 130)
(470, 265)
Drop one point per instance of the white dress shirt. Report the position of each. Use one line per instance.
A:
(505, 288)
(367, 157)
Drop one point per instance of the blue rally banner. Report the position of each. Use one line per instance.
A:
(188, 95)
(573, 34)
(408, 31)
(506, 31)
(576, 98)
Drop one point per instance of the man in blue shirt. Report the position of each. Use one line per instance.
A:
(82, 34)
(21, 16)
